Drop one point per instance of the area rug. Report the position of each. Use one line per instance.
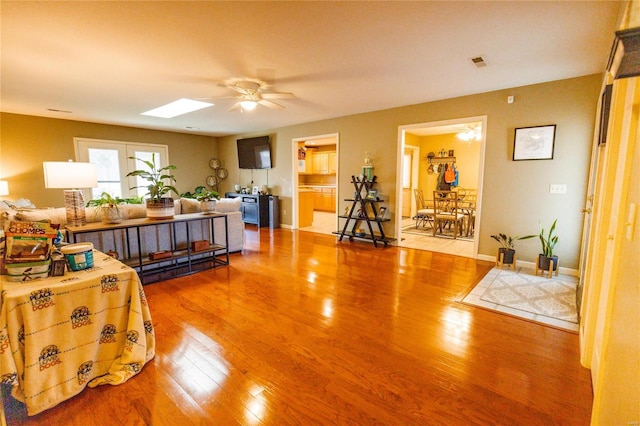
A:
(521, 293)
(428, 232)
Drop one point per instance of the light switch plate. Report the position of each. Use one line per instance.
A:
(557, 188)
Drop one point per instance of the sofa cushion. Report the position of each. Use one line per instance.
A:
(227, 205)
(189, 205)
(57, 215)
(133, 211)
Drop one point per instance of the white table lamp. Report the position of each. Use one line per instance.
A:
(67, 175)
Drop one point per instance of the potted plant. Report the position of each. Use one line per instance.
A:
(158, 206)
(107, 207)
(507, 251)
(548, 242)
(208, 198)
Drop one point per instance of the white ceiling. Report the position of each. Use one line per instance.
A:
(108, 62)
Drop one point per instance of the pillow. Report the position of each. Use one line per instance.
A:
(190, 205)
(58, 215)
(22, 203)
(133, 211)
(228, 205)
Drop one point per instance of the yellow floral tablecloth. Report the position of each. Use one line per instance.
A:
(61, 334)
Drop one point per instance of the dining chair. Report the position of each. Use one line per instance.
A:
(469, 211)
(447, 212)
(424, 214)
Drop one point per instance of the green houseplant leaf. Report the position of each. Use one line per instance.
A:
(548, 241)
(507, 242)
(156, 177)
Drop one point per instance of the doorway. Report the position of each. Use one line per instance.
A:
(425, 150)
(315, 171)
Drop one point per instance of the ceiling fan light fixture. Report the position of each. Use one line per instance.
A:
(176, 108)
(469, 135)
(248, 105)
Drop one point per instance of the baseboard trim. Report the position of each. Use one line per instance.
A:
(530, 265)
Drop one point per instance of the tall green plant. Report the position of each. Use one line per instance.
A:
(156, 178)
(549, 241)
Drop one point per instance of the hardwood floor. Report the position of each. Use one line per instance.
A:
(303, 330)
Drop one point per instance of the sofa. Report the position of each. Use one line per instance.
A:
(153, 238)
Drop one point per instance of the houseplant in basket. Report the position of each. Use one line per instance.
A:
(107, 207)
(160, 184)
(507, 251)
(207, 198)
(548, 242)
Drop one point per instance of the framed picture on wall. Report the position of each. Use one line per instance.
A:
(534, 143)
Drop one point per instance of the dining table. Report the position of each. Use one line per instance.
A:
(60, 334)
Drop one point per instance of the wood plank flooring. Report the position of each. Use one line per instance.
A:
(304, 330)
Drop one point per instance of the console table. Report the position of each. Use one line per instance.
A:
(171, 253)
(261, 210)
(59, 335)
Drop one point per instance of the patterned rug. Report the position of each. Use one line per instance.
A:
(428, 232)
(521, 293)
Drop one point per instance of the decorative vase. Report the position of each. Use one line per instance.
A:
(208, 206)
(110, 215)
(160, 209)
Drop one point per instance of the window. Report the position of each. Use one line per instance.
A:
(112, 160)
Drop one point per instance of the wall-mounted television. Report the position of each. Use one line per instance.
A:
(254, 153)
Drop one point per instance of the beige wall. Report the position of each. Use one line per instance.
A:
(26, 141)
(516, 194)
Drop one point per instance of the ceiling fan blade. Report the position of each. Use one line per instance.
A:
(270, 104)
(277, 95)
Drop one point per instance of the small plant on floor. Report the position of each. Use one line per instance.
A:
(506, 252)
(507, 242)
(548, 242)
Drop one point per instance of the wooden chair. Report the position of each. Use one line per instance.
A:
(447, 212)
(469, 210)
(424, 214)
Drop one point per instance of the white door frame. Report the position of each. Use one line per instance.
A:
(295, 216)
(399, 166)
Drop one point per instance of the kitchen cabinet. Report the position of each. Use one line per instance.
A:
(321, 162)
(324, 199)
(333, 166)
(305, 208)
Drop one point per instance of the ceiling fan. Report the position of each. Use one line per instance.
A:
(254, 92)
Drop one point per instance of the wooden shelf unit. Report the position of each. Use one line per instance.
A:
(182, 259)
(369, 214)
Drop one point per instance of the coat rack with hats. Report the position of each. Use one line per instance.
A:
(442, 157)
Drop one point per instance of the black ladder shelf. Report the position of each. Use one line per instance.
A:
(364, 210)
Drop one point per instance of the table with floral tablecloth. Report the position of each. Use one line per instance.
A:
(61, 334)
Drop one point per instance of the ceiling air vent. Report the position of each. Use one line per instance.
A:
(478, 61)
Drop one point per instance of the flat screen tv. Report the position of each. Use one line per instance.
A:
(254, 153)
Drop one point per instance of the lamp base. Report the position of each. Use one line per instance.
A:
(74, 205)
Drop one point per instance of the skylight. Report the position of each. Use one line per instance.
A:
(176, 108)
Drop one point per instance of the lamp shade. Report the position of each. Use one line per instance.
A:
(4, 188)
(67, 174)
